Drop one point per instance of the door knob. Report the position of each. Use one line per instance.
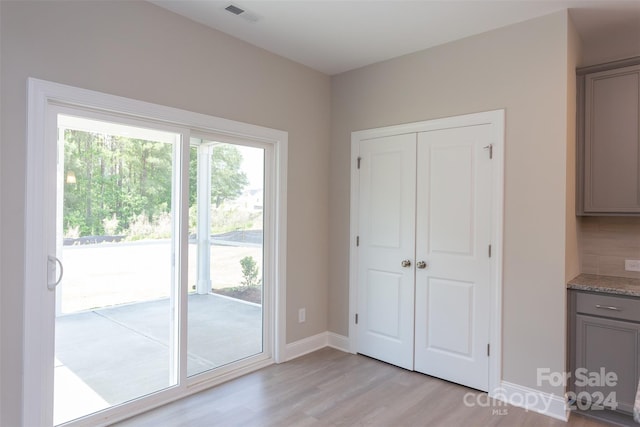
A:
(406, 263)
(421, 264)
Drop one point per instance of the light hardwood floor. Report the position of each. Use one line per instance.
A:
(332, 388)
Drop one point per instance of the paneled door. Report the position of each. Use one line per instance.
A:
(387, 244)
(453, 225)
(424, 236)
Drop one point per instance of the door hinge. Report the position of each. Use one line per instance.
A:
(490, 148)
(357, 240)
(356, 318)
(489, 251)
(488, 349)
(359, 158)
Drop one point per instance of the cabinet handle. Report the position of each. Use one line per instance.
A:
(608, 307)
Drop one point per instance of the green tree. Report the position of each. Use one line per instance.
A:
(227, 180)
(118, 180)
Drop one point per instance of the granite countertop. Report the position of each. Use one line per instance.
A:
(605, 284)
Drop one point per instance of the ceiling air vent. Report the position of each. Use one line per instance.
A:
(248, 16)
(234, 9)
(238, 11)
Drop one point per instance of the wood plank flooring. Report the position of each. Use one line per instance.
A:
(332, 388)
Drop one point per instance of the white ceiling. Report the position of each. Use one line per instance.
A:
(333, 36)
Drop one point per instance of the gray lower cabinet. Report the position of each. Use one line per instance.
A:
(609, 142)
(607, 343)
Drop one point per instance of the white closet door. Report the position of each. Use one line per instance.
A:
(387, 238)
(452, 237)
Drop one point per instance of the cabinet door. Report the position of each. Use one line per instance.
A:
(613, 345)
(612, 141)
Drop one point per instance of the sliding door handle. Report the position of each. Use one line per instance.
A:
(56, 262)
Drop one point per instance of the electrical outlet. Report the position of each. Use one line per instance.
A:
(302, 315)
(632, 264)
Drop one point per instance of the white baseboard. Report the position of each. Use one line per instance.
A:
(316, 342)
(305, 346)
(339, 342)
(531, 399)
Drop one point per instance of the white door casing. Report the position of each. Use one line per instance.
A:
(456, 270)
(385, 288)
(453, 228)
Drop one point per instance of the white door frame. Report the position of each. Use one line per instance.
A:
(496, 119)
(43, 97)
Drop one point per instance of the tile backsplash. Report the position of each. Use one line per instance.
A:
(605, 242)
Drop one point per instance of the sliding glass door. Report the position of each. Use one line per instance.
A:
(116, 237)
(226, 218)
(161, 279)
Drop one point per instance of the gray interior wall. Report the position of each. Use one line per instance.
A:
(522, 68)
(617, 37)
(574, 58)
(140, 51)
(572, 258)
(1, 239)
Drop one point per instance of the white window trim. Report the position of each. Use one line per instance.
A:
(38, 309)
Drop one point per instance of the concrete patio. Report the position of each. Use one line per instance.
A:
(108, 356)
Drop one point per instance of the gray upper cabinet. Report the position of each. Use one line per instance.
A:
(609, 140)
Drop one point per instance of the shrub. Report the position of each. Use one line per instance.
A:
(249, 272)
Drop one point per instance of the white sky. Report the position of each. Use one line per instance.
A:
(253, 165)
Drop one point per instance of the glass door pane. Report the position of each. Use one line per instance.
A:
(225, 315)
(113, 338)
